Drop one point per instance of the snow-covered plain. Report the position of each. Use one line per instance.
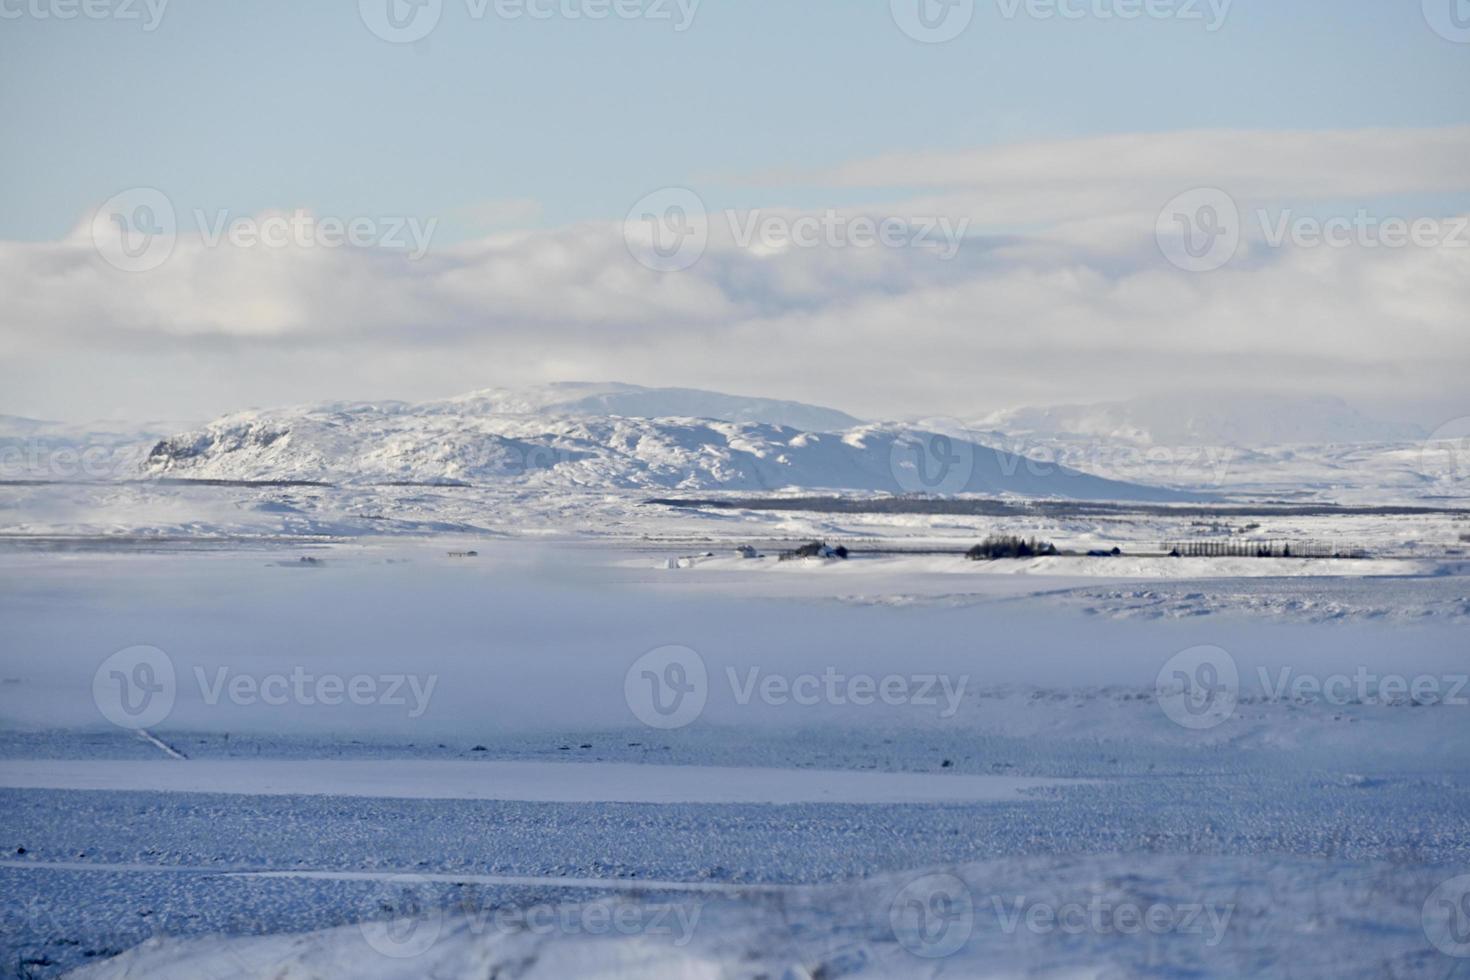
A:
(539, 727)
(1314, 827)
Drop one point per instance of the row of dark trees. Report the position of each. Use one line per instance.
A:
(1237, 548)
(1010, 546)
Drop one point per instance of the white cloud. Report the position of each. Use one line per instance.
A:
(1319, 163)
(1081, 306)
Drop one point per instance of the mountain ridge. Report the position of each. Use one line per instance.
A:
(1249, 421)
(465, 441)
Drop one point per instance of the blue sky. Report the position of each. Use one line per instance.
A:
(280, 103)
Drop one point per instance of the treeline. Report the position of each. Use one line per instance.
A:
(1237, 548)
(1009, 546)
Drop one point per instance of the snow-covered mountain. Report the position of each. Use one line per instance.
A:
(530, 440)
(1204, 419)
(632, 401)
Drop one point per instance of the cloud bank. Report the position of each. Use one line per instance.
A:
(1059, 292)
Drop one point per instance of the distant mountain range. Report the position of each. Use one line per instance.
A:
(618, 436)
(591, 437)
(631, 401)
(1248, 421)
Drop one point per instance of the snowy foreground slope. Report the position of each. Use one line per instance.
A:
(1076, 918)
(473, 440)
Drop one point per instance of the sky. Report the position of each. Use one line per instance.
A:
(211, 206)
